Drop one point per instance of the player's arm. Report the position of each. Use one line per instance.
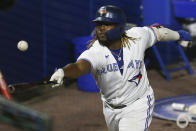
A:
(72, 70)
(75, 70)
(165, 34)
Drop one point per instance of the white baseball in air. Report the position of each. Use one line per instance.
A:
(22, 45)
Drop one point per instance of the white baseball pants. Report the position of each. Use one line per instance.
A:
(135, 117)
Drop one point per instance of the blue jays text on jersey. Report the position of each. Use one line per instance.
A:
(113, 67)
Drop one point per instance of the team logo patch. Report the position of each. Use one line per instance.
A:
(102, 11)
(136, 79)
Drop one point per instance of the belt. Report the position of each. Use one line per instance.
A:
(117, 106)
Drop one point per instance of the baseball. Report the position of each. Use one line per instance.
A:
(22, 45)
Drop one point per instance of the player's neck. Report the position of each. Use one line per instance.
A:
(115, 45)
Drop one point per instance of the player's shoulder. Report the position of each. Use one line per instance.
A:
(137, 29)
(137, 32)
(95, 47)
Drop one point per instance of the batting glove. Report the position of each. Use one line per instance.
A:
(185, 38)
(58, 76)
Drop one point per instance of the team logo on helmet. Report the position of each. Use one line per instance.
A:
(102, 10)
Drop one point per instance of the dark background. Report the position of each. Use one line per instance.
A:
(49, 27)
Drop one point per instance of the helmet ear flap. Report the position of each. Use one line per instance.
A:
(115, 33)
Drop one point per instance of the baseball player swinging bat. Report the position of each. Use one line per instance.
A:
(116, 59)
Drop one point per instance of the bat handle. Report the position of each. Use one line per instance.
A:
(11, 89)
(50, 82)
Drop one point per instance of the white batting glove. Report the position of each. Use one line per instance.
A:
(58, 76)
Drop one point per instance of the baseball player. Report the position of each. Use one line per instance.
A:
(115, 57)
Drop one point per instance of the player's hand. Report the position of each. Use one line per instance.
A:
(58, 76)
(185, 38)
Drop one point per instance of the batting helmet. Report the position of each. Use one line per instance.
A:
(114, 15)
(110, 14)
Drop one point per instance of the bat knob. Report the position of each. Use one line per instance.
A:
(11, 88)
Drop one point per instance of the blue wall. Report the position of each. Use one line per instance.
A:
(49, 27)
(15, 25)
(63, 21)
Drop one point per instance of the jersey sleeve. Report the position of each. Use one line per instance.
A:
(150, 35)
(89, 55)
(145, 34)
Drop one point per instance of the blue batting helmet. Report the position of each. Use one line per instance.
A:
(110, 14)
(114, 15)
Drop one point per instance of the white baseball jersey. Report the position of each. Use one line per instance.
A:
(125, 88)
(130, 88)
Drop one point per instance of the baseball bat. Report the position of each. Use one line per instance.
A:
(23, 87)
(22, 92)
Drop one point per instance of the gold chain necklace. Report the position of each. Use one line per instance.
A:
(119, 57)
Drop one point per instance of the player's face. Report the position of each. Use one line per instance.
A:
(102, 28)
